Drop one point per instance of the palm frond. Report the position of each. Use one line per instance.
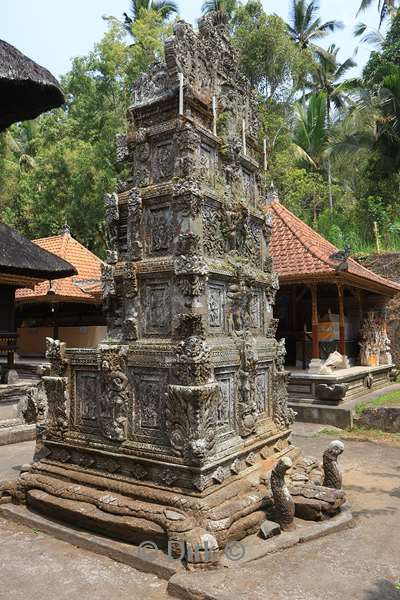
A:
(365, 4)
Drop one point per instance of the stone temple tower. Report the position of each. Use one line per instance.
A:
(167, 430)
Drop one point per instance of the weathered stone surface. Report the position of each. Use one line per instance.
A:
(269, 528)
(316, 503)
(283, 501)
(332, 475)
(385, 418)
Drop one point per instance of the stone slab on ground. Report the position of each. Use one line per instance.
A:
(384, 418)
(157, 562)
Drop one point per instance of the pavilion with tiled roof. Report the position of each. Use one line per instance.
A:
(314, 274)
(301, 254)
(323, 299)
(65, 307)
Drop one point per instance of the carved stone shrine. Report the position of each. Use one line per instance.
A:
(166, 431)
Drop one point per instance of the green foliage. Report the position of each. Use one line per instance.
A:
(164, 8)
(59, 167)
(388, 399)
(271, 61)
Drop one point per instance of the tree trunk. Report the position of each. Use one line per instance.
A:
(328, 119)
(330, 185)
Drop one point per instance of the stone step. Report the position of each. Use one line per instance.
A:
(83, 514)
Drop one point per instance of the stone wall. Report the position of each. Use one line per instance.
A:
(384, 418)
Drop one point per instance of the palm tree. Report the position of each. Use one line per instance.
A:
(384, 8)
(226, 6)
(166, 8)
(311, 135)
(327, 77)
(372, 37)
(306, 27)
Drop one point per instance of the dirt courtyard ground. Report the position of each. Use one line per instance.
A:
(358, 564)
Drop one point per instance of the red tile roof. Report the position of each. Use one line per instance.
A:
(82, 287)
(299, 253)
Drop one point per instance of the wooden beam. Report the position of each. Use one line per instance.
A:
(314, 320)
(342, 338)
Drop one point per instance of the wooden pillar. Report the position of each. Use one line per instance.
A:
(342, 338)
(314, 318)
(293, 323)
(360, 305)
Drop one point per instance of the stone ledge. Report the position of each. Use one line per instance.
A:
(17, 434)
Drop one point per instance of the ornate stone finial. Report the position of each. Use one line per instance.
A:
(55, 354)
(332, 475)
(272, 195)
(283, 501)
(66, 230)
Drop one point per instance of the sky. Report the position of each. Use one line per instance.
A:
(51, 32)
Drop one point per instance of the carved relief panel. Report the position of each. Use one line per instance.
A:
(226, 405)
(214, 242)
(262, 390)
(160, 230)
(157, 307)
(148, 418)
(141, 163)
(216, 307)
(207, 163)
(256, 310)
(163, 161)
(248, 185)
(86, 395)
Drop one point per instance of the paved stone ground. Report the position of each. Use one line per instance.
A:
(13, 456)
(358, 564)
(34, 566)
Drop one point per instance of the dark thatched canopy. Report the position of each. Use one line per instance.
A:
(19, 256)
(26, 88)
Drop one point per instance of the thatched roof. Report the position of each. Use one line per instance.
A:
(26, 88)
(19, 256)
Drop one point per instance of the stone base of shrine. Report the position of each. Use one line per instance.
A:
(137, 512)
(13, 428)
(171, 519)
(166, 567)
(331, 399)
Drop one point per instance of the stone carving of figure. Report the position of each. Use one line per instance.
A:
(284, 503)
(55, 354)
(112, 218)
(135, 210)
(115, 393)
(332, 475)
